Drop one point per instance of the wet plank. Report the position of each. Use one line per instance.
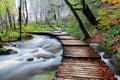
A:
(80, 62)
(73, 42)
(83, 70)
(59, 33)
(80, 51)
(67, 38)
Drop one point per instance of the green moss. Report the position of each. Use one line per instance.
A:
(4, 51)
(43, 76)
(118, 55)
(30, 59)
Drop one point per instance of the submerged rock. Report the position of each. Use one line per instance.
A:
(30, 59)
(4, 51)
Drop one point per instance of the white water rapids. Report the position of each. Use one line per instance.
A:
(45, 51)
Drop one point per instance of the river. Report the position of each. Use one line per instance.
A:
(35, 57)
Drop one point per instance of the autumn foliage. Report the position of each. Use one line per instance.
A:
(116, 1)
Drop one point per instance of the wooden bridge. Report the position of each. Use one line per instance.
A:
(80, 62)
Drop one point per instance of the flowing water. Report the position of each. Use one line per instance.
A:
(111, 66)
(34, 57)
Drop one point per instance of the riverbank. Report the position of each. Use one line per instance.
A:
(109, 42)
(12, 37)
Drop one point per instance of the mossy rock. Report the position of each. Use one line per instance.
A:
(116, 65)
(109, 54)
(30, 59)
(4, 51)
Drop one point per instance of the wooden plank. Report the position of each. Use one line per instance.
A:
(84, 70)
(73, 42)
(80, 62)
(60, 34)
(62, 79)
(67, 38)
(80, 51)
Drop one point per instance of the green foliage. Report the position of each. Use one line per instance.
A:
(2, 7)
(14, 34)
(108, 17)
(111, 34)
(3, 49)
(118, 55)
(78, 6)
(11, 36)
(109, 1)
(34, 27)
(104, 23)
(73, 28)
(7, 4)
(112, 37)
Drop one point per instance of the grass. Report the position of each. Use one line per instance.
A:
(14, 35)
(36, 27)
(43, 76)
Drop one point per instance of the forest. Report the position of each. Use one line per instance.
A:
(92, 21)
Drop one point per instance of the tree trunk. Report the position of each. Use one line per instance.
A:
(55, 17)
(14, 22)
(26, 20)
(48, 22)
(86, 35)
(9, 18)
(20, 22)
(87, 12)
(6, 24)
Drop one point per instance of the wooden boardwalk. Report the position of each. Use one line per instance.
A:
(80, 62)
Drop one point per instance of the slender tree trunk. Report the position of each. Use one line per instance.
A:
(2, 24)
(88, 13)
(26, 20)
(14, 22)
(9, 18)
(23, 13)
(55, 17)
(86, 35)
(20, 21)
(41, 19)
(48, 22)
(6, 24)
(1, 20)
(34, 13)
